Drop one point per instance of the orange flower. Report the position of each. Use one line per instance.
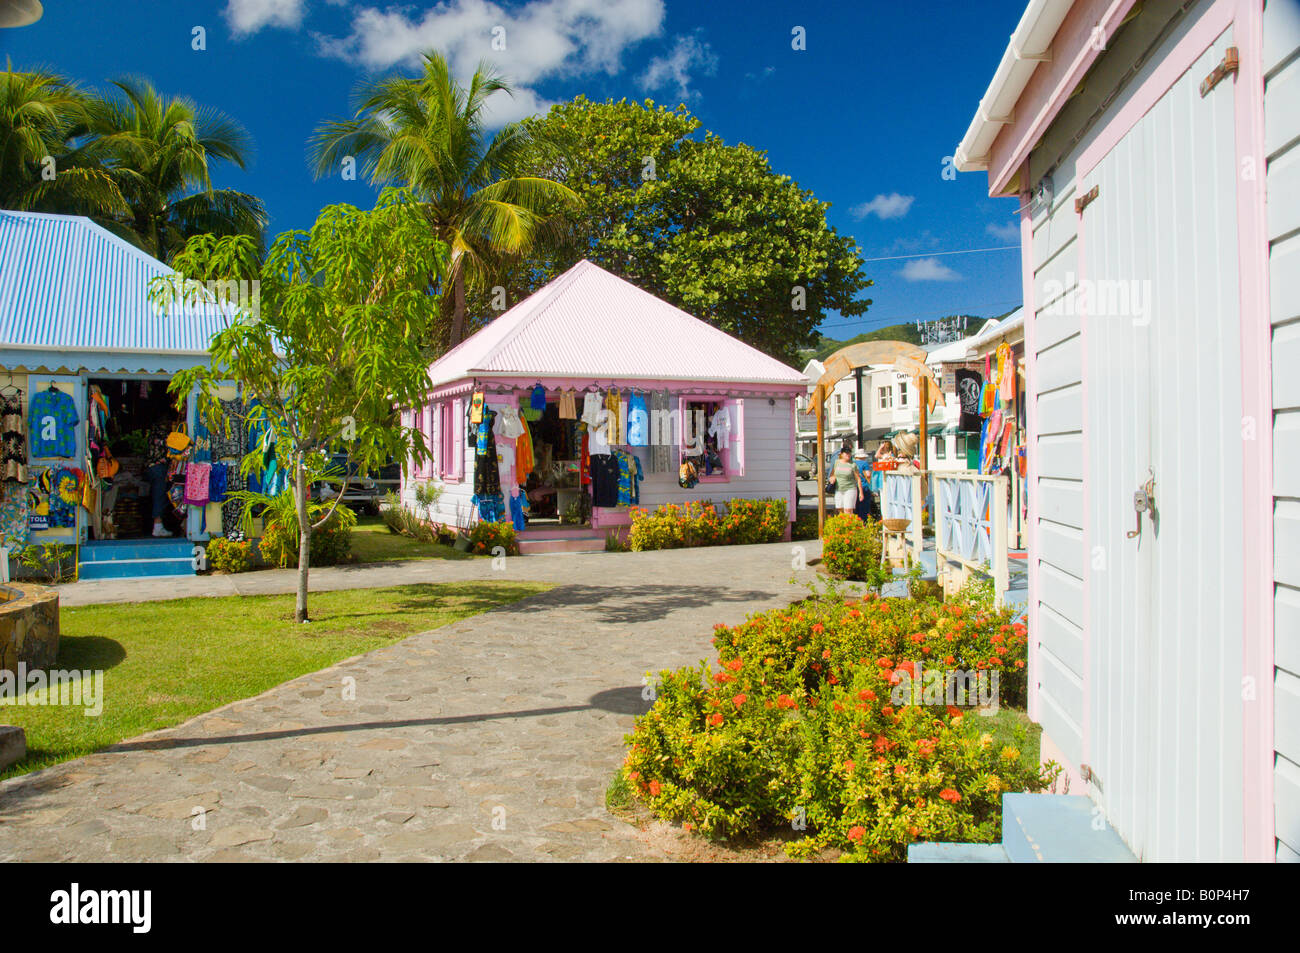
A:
(819, 629)
(867, 695)
(856, 833)
(849, 766)
(735, 664)
(826, 653)
(739, 700)
(715, 719)
(949, 795)
(785, 701)
(654, 788)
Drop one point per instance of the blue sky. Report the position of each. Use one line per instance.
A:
(863, 116)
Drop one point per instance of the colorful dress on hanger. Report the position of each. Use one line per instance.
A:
(13, 441)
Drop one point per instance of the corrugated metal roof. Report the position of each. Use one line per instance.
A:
(588, 323)
(66, 283)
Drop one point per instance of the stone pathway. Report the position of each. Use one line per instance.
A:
(493, 738)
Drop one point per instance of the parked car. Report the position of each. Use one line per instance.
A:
(363, 492)
(804, 466)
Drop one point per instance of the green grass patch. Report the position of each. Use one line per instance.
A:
(1011, 726)
(164, 662)
(372, 542)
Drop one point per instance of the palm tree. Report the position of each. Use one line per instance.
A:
(46, 162)
(159, 151)
(429, 134)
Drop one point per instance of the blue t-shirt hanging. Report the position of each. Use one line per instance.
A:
(53, 424)
(538, 399)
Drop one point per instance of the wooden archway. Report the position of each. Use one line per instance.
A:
(904, 357)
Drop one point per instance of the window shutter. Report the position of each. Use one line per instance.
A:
(683, 426)
(736, 409)
(458, 424)
(434, 438)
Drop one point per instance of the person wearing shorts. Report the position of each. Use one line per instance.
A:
(848, 482)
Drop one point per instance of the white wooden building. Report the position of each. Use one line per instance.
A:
(1155, 151)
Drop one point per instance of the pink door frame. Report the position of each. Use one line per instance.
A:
(1255, 329)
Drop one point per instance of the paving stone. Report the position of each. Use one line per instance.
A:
(303, 817)
(238, 834)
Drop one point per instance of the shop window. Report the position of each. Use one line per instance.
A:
(718, 455)
(886, 397)
(450, 427)
(902, 393)
(941, 448)
(839, 405)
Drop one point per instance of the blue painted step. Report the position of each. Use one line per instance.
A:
(1037, 829)
(133, 558)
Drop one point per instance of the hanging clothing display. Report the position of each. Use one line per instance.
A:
(592, 407)
(509, 424)
(197, 477)
(605, 472)
(638, 421)
(53, 421)
(525, 462)
(598, 435)
(568, 410)
(13, 514)
(228, 436)
(969, 387)
(518, 508)
(720, 428)
(661, 436)
(232, 510)
(487, 478)
(1006, 372)
(476, 407)
(613, 404)
(537, 399)
(13, 439)
(629, 478)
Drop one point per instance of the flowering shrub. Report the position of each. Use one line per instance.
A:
(698, 523)
(851, 549)
(330, 544)
(229, 555)
(485, 537)
(801, 723)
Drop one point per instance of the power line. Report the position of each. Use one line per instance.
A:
(938, 254)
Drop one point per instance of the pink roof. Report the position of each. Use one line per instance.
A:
(588, 323)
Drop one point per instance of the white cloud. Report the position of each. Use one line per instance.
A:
(1007, 232)
(892, 205)
(249, 16)
(928, 269)
(542, 39)
(688, 53)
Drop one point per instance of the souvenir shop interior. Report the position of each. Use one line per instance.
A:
(112, 458)
(547, 458)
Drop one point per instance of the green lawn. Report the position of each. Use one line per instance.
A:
(164, 662)
(373, 543)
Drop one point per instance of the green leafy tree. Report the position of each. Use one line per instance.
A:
(707, 226)
(428, 133)
(159, 151)
(45, 164)
(334, 346)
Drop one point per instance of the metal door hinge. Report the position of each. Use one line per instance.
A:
(1228, 65)
(1082, 203)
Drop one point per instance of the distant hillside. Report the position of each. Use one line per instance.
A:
(895, 332)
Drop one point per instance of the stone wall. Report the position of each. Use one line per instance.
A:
(29, 626)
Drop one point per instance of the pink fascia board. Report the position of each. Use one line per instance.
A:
(683, 385)
(1074, 50)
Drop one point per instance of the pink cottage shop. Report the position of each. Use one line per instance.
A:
(591, 362)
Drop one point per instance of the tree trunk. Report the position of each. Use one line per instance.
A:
(458, 293)
(304, 538)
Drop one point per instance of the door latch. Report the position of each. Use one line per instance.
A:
(1144, 501)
